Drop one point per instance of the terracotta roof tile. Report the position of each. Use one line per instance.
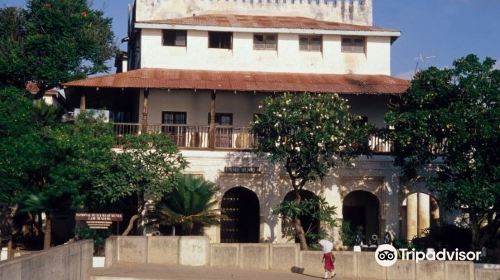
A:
(247, 81)
(248, 21)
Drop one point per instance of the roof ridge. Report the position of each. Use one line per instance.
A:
(210, 20)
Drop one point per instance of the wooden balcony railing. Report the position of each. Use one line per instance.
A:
(195, 137)
(226, 137)
(379, 145)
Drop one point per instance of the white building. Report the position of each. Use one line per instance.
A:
(189, 59)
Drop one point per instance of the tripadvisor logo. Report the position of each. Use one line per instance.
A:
(386, 255)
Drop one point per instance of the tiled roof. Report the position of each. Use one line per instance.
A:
(247, 81)
(247, 21)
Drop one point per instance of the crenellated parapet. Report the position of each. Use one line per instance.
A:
(346, 11)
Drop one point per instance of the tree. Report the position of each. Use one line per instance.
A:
(148, 167)
(314, 209)
(190, 204)
(447, 131)
(52, 42)
(309, 134)
(47, 165)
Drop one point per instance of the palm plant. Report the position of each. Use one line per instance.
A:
(190, 205)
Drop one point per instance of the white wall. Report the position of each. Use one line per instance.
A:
(197, 105)
(271, 186)
(347, 11)
(287, 57)
(243, 105)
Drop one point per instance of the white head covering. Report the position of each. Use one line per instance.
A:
(327, 245)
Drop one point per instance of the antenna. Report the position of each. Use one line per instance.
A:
(421, 59)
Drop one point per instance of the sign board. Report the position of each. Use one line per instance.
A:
(241, 169)
(99, 220)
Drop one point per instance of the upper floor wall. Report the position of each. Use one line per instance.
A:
(346, 11)
(242, 107)
(287, 56)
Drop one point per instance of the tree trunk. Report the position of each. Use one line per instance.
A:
(10, 251)
(300, 234)
(130, 225)
(299, 230)
(297, 187)
(48, 232)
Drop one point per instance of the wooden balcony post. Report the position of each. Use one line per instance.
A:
(144, 122)
(211, 129)
(83, 101)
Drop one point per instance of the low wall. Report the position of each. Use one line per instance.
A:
(72, 262)
(197, 251)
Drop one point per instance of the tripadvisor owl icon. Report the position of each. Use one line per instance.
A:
(386, 255)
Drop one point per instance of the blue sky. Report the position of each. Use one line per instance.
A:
(441, 29)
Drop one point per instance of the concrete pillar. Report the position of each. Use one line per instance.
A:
(83, 101)
(331, 193)
(390, 208)
(424, 213)
(411, 216)
(434, 212)
(434, 209)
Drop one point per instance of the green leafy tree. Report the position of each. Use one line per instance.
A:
(15, 130)
(148, 167)
(313, 209)
(447, 131)
(13, 65)
(46, 165)
(347, 234)
(51, 42)
(309, 134)
(190, 204)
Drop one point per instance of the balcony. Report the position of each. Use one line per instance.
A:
(192, 137)
(226, 137)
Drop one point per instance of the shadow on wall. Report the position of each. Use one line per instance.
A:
(367, 187)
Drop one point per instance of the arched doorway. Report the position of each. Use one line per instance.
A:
(420, 212)
(310, 224)
(361, 210)
(241, 221)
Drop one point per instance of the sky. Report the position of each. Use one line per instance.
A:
(439, 31)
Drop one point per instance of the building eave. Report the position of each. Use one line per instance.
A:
(240, 81)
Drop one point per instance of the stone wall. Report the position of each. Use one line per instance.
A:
(197, 251)
(68, 262)
(347, 11)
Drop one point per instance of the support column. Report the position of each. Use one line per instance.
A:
(144, 122)
(211, 129)
(388, 209)
(424, 213)
(83, 101)
(411, 216)
(434, 212)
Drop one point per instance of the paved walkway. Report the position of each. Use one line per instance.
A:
(177, 272)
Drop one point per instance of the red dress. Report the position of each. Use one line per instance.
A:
(328, 261)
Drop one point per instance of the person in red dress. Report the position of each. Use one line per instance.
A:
(328, 261)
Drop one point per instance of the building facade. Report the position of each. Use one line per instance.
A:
(189, 60)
